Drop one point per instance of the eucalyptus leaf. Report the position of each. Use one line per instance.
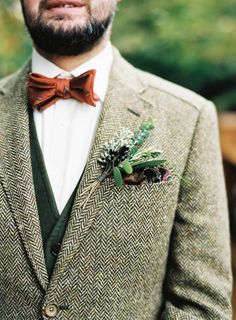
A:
(117, 177)
(127, 167)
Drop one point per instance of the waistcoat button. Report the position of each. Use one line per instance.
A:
(51, 310)
(55, 248)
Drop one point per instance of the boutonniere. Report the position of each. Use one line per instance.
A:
(123, 159)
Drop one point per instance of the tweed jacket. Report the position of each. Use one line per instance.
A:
(153, 251)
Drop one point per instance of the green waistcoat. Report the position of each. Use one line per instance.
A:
(52, 223)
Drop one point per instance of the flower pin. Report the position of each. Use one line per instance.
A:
(123, 159)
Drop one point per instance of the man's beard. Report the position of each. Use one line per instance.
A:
(70, 42)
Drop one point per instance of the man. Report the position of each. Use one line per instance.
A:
(148, 251)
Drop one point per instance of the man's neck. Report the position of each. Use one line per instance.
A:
(69, 63)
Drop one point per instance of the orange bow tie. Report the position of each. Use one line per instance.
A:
(44, 92)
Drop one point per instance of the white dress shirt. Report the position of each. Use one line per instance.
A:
(66, 129)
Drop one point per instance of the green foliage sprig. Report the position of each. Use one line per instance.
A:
(123, 154)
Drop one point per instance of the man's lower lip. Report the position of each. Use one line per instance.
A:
(64, 10)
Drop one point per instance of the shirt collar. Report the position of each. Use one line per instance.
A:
(101, 62)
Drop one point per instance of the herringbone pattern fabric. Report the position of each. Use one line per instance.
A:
(144, 252)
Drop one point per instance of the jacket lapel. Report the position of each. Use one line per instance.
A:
(16, 175)
(122, 96)
(121, 108)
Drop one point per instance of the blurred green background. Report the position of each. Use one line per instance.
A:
(189, 42)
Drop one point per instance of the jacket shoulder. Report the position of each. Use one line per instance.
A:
(8, 82)
(4, 82)
(7, 87)
(169, 91)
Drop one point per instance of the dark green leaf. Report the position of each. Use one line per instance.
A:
(117, 177)
(127, 167)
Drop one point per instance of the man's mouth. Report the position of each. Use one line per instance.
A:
(53, 4)
(66, 6)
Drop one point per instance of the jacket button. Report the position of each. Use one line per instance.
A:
(55, 249)
(51, 310)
